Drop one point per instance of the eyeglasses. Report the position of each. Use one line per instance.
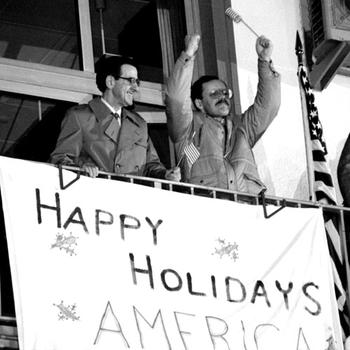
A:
(221, 92)
(132, 81)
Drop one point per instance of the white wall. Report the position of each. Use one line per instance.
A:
(280, 154)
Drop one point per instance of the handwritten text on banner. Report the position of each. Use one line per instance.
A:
(111, 265)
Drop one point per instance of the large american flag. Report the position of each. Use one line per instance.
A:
(323, 188)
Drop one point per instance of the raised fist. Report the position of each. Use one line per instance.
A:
(264, 48)
(192, 44)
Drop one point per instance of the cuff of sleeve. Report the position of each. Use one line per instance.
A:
(186, 58)
(269, 63)
(163, 172)
(159, 174)
(65, 161)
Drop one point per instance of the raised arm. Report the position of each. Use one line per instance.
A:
(178, 91)
(267, 101)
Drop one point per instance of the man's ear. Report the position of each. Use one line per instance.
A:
(198, 104)
(110, 81)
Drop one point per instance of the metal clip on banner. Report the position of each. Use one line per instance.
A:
(60, 175)
(263, 203)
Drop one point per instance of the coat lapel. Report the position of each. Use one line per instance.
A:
(108, 124)
(112, 129)
(129, 132)
(229, 139)
(125, 135)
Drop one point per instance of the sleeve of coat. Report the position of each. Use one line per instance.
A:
(266, 104)
(178, 98)
(69, 142)
(154, 167)
(343, 172)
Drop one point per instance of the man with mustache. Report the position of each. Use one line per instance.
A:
(214, 146)
(104, 134)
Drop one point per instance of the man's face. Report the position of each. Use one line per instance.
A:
(123, 90)
(215, 101)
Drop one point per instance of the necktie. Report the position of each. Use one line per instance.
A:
(114, 127)
(117, 117)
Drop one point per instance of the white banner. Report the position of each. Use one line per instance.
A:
(110, 265)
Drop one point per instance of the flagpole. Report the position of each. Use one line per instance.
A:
(299, 52)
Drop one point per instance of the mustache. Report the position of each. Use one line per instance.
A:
(223, 100)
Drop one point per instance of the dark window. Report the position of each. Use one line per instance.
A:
(40, 31)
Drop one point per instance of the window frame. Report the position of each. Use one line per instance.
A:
(57, 83)
(79, 86)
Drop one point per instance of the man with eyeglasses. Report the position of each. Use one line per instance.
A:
(213, 146)
(104, 134)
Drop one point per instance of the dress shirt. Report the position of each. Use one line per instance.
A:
(116, 113)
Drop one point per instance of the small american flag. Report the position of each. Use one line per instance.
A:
(191, 152)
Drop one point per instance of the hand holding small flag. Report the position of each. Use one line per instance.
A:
(173, 174)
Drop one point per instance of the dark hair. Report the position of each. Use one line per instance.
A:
(197, 87)
(110, 65)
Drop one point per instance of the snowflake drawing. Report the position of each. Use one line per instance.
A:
(67, 312)
(226, 249)
(66, 243)
(330, 343)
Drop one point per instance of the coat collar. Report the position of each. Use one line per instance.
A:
(230, 126)
(130, 123)
(130, 130)
(102, 112)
